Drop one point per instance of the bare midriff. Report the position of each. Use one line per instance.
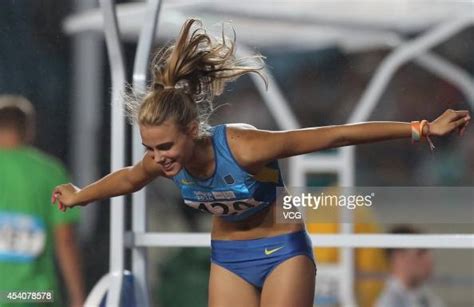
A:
(260, 225)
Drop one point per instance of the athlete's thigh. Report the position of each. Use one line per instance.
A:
(229, 290)
(291, 284)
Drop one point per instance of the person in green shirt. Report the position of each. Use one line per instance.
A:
(31, 233)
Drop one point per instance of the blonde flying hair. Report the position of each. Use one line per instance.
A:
(187, 75)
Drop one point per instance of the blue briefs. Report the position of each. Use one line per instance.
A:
(253, 260)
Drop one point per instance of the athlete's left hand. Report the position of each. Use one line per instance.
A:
(449, 121)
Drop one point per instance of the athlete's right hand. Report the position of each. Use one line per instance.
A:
(66, 196)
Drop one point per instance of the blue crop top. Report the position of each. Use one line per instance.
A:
(230, 192)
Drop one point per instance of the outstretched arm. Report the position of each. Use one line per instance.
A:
(124, 181)
(256, 147)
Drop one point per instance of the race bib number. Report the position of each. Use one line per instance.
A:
(22, 237)
(233, 207)
(220, 201)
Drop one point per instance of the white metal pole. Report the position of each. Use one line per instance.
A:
(444, 241)
(347, 180)
(117, 68)
(139, 222)
(86, 95)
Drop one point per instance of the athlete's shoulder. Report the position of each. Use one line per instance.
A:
(240, 126)
(239, 132)
(243, 140)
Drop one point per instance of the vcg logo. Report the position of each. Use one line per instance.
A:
(292, 215)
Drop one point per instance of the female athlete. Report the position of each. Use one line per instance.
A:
(231, 171)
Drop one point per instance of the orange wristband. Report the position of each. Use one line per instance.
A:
(415, 131)
(424, 123)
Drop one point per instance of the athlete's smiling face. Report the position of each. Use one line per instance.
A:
(168, 145)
